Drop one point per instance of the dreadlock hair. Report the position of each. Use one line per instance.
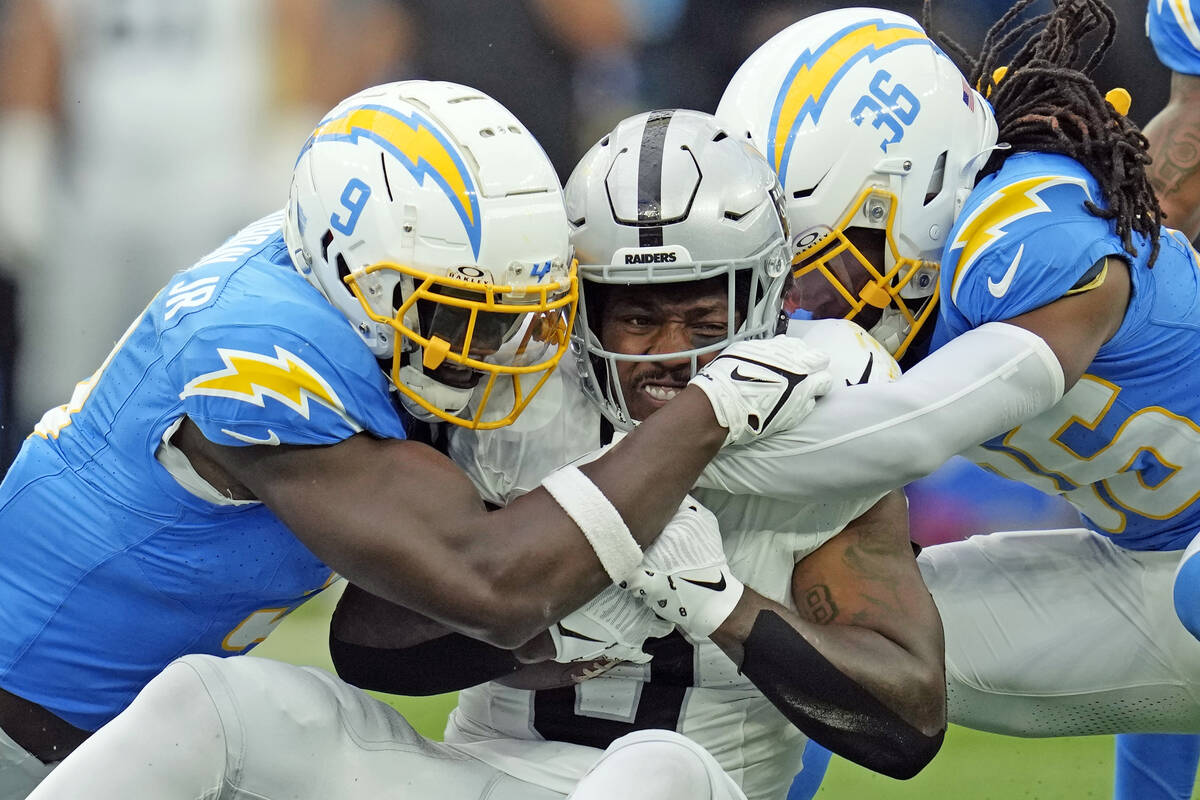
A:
(1046, 102)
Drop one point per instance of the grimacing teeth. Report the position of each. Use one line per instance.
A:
(662, 393)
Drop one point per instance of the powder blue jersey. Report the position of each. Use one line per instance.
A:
(1174, 29)
(1123, 445)
(111, 569)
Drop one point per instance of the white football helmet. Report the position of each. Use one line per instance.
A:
(433, 220)
(673, 197)
(877, 139)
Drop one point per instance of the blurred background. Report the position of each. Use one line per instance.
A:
(135, 135)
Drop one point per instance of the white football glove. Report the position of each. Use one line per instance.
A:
(613, 624)
(684, 577)
(763, 385)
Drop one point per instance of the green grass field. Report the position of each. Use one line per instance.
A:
(970, 766)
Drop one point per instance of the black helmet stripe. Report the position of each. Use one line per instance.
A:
(650, 167)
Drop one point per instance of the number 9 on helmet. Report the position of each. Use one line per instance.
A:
(428, 215)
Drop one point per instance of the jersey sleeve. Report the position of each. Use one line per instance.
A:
(1173, 28)
(303, 378)
(1026, 243)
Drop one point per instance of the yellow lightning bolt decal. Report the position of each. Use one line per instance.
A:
(416, 142)
(252, 377)
(419, 146)
(1182, 11)
(986, 225)
(814, 75)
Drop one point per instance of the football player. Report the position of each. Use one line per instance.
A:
(655, 305)
(245, 441)
(679, 228)
(1062, 355)
(1150, 766)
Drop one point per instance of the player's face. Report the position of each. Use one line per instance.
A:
(667, 320)
(451, 324)
(815, 292)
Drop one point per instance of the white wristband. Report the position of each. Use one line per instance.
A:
(599, 520)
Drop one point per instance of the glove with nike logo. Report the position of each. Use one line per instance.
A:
(763, 385)
(684, 576)
(613, 624)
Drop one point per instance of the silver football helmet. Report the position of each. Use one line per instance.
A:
(433, 220)
(669, 197)
(877, 138)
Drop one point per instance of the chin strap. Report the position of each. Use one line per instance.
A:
(449, 399)
(890, 330)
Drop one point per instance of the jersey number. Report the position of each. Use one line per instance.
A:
(354, 200)
(595, 712)
(1147, 466)
(254, 628)
(893, 108)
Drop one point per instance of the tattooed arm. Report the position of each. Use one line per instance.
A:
(861, 667)
(1174, 136)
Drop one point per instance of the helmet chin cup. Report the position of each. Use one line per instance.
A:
(449, 400)
(891, 329)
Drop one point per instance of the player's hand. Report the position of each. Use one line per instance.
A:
(763, 385)
(684, 577)
(612, 624)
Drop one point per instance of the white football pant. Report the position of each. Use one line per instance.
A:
(1063, 633)
(247, 728)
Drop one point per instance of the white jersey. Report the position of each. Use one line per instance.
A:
(689, 686)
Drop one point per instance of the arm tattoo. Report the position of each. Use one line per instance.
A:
(1175, 158)
(819, 607)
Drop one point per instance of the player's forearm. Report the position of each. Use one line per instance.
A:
(861, 695)
(547, 569)
(648, 472)
(445, 664)
(871, 438)
(378, 645)
(908, 677)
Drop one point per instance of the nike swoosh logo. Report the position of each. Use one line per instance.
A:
(866, 376)
(737, 375)
(716, 586)
(998, 290)
(272, 439)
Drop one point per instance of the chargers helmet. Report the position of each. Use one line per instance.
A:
(671, 197)
(430, 217)
(877, 139)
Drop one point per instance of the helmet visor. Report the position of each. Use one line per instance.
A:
(858, 273)
(469, 333)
